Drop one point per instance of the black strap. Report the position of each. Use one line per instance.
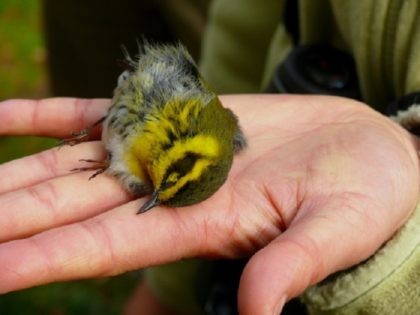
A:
(291, 20)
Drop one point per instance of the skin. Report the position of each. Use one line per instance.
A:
(324, 183)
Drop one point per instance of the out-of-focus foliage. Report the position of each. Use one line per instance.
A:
(22, 52)
(22, 67)
(88, 297)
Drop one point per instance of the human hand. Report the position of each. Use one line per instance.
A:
(324, 182)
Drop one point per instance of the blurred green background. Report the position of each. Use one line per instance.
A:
(23, 75)
(22, 66)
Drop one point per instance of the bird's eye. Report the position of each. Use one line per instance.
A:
(170, 180)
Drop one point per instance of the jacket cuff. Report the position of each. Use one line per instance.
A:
(385, 284)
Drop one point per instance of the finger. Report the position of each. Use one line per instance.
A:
(306, 253)
(54, 117)
(57, 202)
(108, 244)
(51, 163)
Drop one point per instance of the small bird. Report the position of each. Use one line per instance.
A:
(166, 134)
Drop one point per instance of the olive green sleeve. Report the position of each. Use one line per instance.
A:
(382, 35)
(384, 38)
(387, 283)
(237, 41)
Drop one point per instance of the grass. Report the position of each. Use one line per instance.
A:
(23, 75)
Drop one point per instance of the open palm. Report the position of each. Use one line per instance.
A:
(324, 182)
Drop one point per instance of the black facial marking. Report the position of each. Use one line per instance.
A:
(184, 134)
(166, 146)
(171, 136)
(187, 187)
(182, 166)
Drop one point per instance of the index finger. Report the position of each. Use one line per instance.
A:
(108, 244)
(53, 117)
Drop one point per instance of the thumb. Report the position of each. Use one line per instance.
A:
(312, 248)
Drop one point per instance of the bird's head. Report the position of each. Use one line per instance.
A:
(188, 172)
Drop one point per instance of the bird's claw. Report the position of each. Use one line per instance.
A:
(77, 137)
(100, 167)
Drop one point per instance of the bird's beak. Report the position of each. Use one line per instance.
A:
(152, 202)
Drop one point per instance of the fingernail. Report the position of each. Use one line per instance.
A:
(279, 306)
